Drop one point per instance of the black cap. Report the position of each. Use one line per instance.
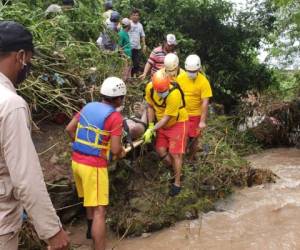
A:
(68, 2)
(14, 36)
(108, 5)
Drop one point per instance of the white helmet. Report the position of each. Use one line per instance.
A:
(192, 63)
(171, 62)
(113, 87)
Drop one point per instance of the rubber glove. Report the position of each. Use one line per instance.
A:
(149, 133)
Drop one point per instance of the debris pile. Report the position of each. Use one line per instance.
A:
(273, 122)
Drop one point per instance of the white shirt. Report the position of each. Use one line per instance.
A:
(135, 33)
(21, 179)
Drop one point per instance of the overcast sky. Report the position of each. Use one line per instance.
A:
(242, 4)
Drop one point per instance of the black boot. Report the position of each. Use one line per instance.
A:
(89, 229)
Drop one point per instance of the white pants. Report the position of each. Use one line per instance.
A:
(9, 241)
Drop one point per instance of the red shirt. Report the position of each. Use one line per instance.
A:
(113, 124)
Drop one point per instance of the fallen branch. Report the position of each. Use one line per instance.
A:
(48, 149)
(66, 207)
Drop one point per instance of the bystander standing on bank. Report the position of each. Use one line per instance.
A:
(22, 183)
(137, 40)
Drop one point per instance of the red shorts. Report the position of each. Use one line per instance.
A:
(173, 138)
(193, 126)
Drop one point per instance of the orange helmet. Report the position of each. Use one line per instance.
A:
(161, 81)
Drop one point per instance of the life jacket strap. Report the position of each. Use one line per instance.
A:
(163, 105)
(98, 132)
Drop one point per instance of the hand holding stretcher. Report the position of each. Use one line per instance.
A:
(135, 144)
(129, 147)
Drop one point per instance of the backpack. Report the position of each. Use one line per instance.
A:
(175, 85)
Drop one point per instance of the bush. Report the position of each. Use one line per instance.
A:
(68, 67)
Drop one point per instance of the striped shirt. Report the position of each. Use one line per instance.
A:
(157, 58)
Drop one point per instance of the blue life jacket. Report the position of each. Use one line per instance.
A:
(90, 130)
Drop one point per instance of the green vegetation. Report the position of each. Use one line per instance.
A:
(284, 40)
(227, 42)
(68, 67)
(289, 85)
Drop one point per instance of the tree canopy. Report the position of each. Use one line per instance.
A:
(285, 44)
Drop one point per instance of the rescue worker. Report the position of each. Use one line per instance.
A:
(157, 56)
(138, 126)
(197, 91)
(22, 183)
(96, 133)
(171, 66)
(166, 105)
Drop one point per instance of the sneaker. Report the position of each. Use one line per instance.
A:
(175, 190)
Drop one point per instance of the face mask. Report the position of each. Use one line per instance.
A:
(163, 94)
(192, 75)
(23, 73)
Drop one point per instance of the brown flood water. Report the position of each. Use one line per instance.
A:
(261, 217)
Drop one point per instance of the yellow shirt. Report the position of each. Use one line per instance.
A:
(173, 104)
(194, 91)
(181, 71)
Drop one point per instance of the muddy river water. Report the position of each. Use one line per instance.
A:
(261, 217)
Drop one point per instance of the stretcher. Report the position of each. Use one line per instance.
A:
(134, 144)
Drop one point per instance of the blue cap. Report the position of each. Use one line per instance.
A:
(115, 16)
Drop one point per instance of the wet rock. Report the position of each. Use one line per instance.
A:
(146, 235)
(188, 215)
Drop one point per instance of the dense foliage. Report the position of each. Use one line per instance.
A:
(68, 67)
(284, 41)
(227, 42)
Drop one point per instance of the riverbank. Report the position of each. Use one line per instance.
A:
(139, 201)
(261, 217)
